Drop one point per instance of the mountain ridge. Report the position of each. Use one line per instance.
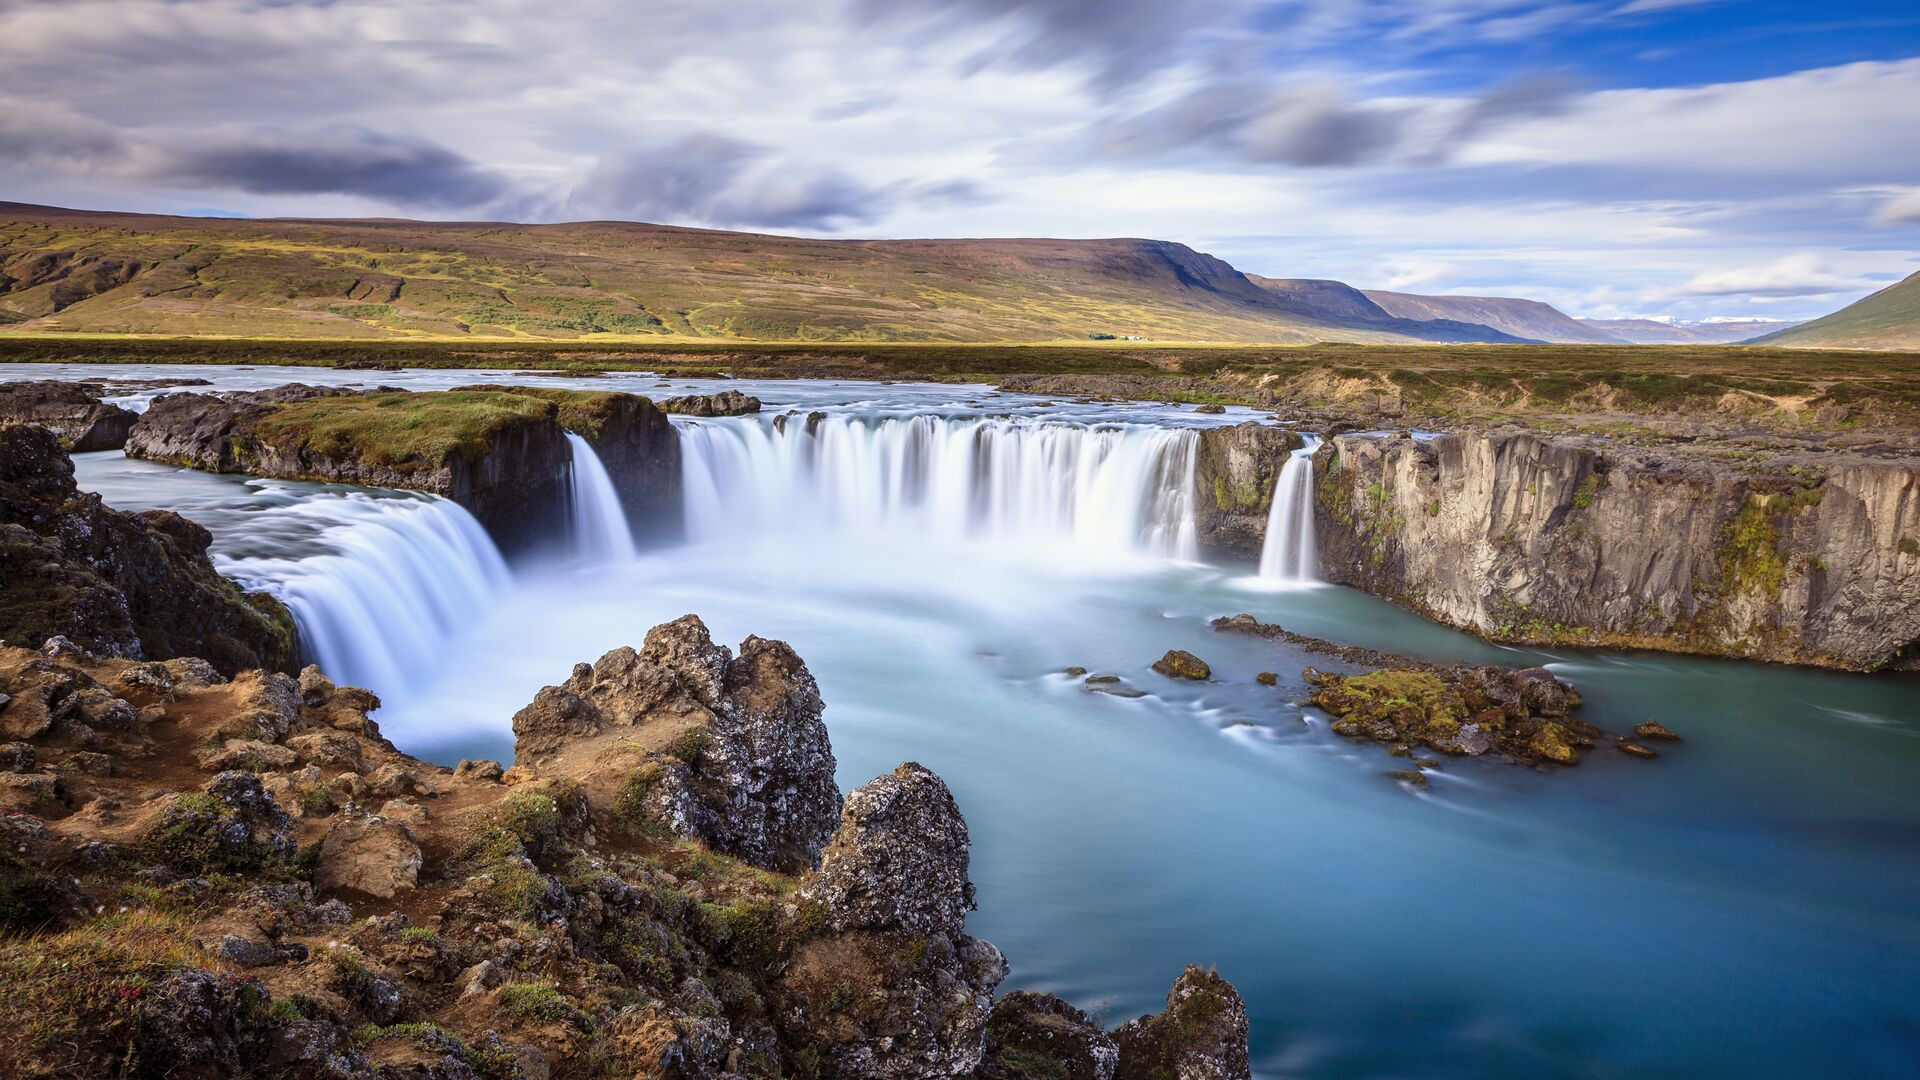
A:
(107, 272)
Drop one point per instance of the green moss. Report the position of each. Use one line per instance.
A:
(192, 835)
(1588, 490)
(1909, 546)
(1750, 559)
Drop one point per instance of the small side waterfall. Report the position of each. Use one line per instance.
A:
(1288, 553)
(396, 578)
(600, 529)
(1102, 488)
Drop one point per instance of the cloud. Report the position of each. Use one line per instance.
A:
(331, 161)
(717, 180)
(1902, 210)
(1793, 276)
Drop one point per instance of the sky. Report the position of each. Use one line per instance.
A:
(1687, 158)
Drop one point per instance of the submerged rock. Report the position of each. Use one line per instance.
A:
(1654, 729)
(1180, 664)
(1526, 715)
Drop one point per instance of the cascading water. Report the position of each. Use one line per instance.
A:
(600, 529)
(1288, 552)
(396, 579)
(1115, 489)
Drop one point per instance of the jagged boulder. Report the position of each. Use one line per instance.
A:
(72, 411)
(899, 859)
(137, 586)
(1202, 1035)
(741, 758)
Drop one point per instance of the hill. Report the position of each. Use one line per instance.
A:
(1314, 298)
(1663, 332)
(83, 271)
(1522, 318)
(1889, 319)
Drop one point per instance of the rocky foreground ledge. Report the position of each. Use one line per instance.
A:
(207, 877)
(499, 451)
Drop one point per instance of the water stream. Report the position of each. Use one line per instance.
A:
(1288, 554)
(598, 523)
(938, 554)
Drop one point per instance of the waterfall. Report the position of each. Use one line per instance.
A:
(1288, 554)
(392, 581)
(1120, 488)
(600, 529)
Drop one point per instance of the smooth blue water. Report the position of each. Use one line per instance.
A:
(1743, 906)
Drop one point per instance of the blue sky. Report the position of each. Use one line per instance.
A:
(1692, 158)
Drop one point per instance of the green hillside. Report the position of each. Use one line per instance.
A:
(1889, 319)
(84, 272)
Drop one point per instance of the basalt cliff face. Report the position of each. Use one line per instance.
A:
(1812, 560)
(500, 452)
(223, 878)
(138, 586)
(1234, 476)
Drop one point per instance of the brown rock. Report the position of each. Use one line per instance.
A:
(1179, 664)
(372, 855)
(1202, 1035)
(1654, 729)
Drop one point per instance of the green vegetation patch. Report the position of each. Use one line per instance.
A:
(401, 429)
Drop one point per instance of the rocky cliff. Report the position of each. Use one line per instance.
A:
(138, 586)
(223, 878)
(1233, 479)
(501, 452)
(1811, 558)
(72, 411)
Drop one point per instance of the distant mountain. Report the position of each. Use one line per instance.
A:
(1312, 298)
(1889, 319)
(1678, 332)
(1521, 318)
(82, 271)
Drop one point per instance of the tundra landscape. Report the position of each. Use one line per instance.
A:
(994, 540)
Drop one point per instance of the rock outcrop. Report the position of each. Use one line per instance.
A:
(727, 750)
(724, 403)
(1574, 542)
(137, 586)
(1233, 478)
(201, 885)
(501, 452)
(72, 411)
(1202, 1035)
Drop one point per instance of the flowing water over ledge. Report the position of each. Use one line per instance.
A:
(1743, 906)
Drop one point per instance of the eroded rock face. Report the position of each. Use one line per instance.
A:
(118, 584)
(1233, 478)
(746, 763)
(1570, 541)
(72, 411)
(1202, 1035)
